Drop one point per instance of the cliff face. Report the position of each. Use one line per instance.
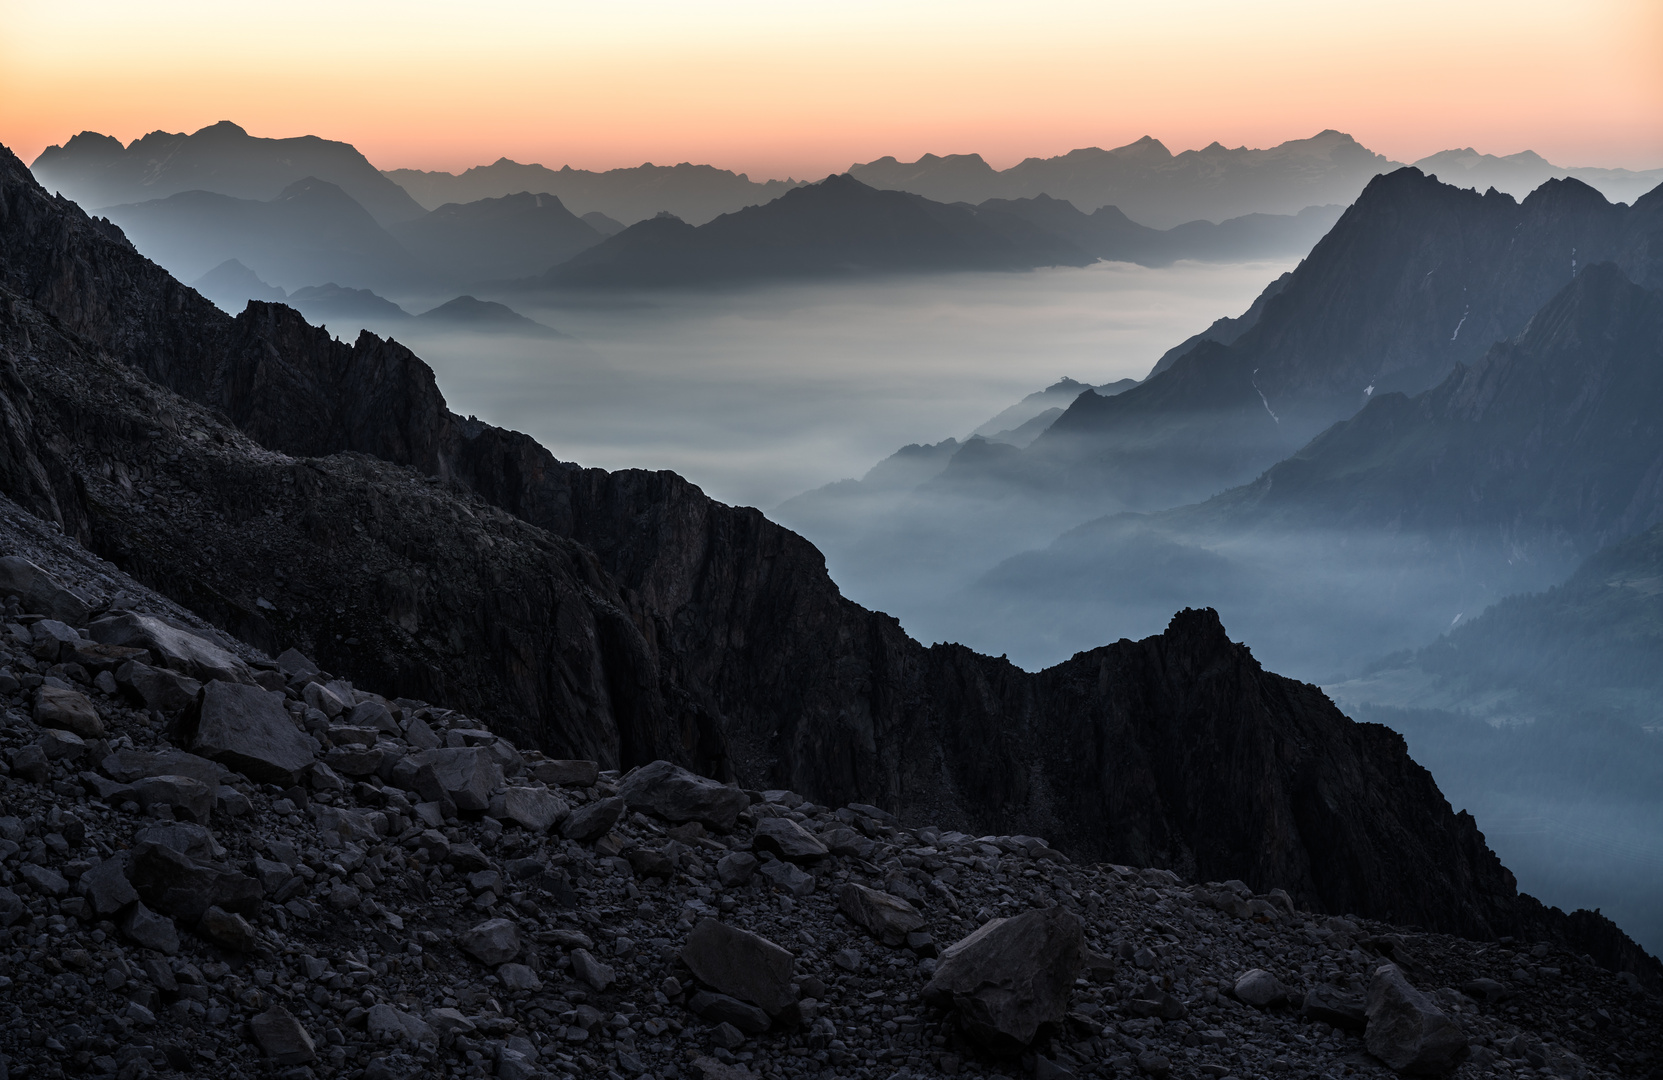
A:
(300, 491)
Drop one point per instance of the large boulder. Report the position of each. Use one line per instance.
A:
(740, 964)
(69, 710)
(1406, 1029)
(248, 729)
(675, 794)
(40, 592)
(889, 918)
(172, 647)
(1011, 977)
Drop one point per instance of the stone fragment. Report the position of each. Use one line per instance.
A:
(1334, 1007)
(248, 729)
(788, 840)
(106, 887)
(175, 884)
(492, 942)
(677, 795)
(1406, 1029)
(58, 744)
(449, 1022)
(519, 977)
(67, 709)
(44, 880)
(1011, 976)
(1482, 989)
(593, 821)
(567, 773)
(168, 692)
(52, 639)
(173, 648)
(29, 762)
(353, 760)
(533, 809)
(12, 907)
(466, 776)
(650, 862)
(735, 869)
(293, 662)
(128, 765)
(386, 1023)
(228, 930)
(1259, 988)
(789, 878)
(39, 592)
(320, 697)
(373, 715)
(149, 930)
(740, 964)
(190, 800)
(598, 975)
(845, 841)
(282, 1037)
(888, 918)
(723, 1009)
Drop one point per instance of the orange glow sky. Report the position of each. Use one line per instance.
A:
(787, 88)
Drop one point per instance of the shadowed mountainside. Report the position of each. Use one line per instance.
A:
(625, 616)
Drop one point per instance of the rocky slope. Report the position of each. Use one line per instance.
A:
(213, 861)
(301, 492)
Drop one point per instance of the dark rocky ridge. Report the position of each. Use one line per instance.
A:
(626, 617)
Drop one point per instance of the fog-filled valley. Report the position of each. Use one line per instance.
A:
(1402, 434)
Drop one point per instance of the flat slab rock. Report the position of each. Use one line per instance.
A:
(740, 964)
(248, 729)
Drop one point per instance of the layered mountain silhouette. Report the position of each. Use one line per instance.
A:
(836, 227)
(1523, 172)
(96, 170)
(626, 616)
(694, 193)
(1150, 183)
(312, 231)
(508, 237)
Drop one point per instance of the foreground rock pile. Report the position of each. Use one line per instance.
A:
(214, 863)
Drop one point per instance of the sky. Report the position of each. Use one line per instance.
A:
(782, 89)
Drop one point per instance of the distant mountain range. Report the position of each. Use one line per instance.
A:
(1158, 188)
(96, 170)
(694, 193)
(231, 285)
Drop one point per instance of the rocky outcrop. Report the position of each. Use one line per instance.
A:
(626, 618)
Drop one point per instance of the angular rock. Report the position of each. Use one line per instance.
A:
(788, 840)
(570, 773)
(52, 639)
(493, 942)
(735, 869)
(127, 766)
(69, 710)
(723, 1009)
(282, 1037)
(467, 776)
(740, 964)
(450, 1022)
(106, 886)
(168, 692)
(519, 977)
(789, 878)
(293, 662)
(1259, 988)
(1011, 976)
(248, 729)
(173, 648)
(1335, 1007)
(593, 821)
(320, 697)
(227, 930)
(149, 930)
(677, 795)
(44, 880)
(58, 744)
(177, 885)
(190, 800)
(1406, 1029)
(40, 592)
(532, 809)
(649, 862)
(592, 971)
(888, 918)
(383, 1021)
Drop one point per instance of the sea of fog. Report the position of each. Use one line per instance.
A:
(760, 394)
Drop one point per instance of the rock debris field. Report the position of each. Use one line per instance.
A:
(219, 864)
